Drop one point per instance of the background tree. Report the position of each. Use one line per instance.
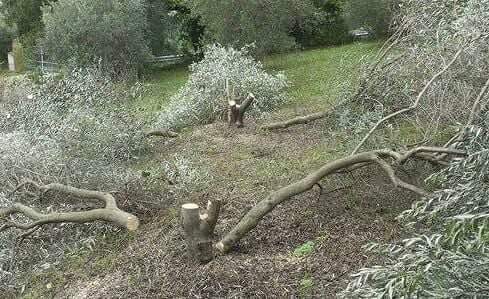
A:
(374, 15)
(171, 28)
(26, 15)
(324, 25)
(81, 33)
(6, 36)
(263, 22)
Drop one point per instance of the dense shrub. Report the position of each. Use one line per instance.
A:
(202, 99)
(237, 23)
(76, 130)
(82, 33)
(73, 112)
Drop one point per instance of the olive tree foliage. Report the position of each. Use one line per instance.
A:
(428, 35)
(446, 254)
(203, 98)
(237, 23)
(82, 33)
(449, 258)
(73, 130)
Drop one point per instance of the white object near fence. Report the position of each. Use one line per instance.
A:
(11, 62)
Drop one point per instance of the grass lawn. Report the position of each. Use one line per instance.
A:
(319, 77)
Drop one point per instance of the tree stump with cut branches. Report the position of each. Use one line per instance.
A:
(236, 112)
(199, 229)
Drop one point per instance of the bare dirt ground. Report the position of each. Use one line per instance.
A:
(243, 166)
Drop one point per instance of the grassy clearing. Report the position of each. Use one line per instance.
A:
(160, 85)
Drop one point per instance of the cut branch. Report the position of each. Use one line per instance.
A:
(414, 105)
(110, 213)
(162, 133)
(302, 119)
(256, 214)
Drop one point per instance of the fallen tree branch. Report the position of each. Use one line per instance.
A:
(162, 133)
(110, 213)
(256, 214)
(413, 106)
(303, 119)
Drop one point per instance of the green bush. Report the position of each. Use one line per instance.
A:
(82, 33)
(202, 100)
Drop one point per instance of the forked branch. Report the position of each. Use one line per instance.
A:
(380, 157)
(109, 213)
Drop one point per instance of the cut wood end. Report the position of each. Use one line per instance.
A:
(190, 206)
(220, 247)
(232, 103)
(132, 223)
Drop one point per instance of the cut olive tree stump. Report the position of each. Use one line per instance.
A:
(236, 112)
(199, 229)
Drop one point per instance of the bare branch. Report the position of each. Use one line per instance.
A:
(302, 119)
(110, 213)
(260, 210)
(162, 133)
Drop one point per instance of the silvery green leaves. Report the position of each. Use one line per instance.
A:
(74, 129)
(449, 257)
(446, 254)
(203, 98)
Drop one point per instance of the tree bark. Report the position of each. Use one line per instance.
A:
(199, 229)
